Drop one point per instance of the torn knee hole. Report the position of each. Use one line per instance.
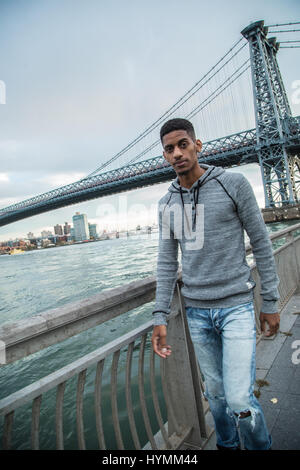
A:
(243, 414)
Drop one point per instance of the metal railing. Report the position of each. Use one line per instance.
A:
(179, 378)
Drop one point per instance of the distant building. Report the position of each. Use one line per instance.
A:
(46, 233)
(81, 228)
(30, 235)
(72, 233)
(58, 229)
(93, 230)
(67, 228)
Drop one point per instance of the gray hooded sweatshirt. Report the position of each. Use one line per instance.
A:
(208, 221)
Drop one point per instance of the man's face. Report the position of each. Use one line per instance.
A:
(181, 151)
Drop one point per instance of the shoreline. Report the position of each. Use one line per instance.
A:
(84, 242)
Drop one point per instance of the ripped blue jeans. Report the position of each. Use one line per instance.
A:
(225, 341)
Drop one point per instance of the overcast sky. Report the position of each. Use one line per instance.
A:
(85, 77)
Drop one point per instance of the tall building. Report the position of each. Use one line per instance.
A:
(72, 233)
(67, 228)
(58, 229)
(30, 235)
(93, 230)
(81, 228)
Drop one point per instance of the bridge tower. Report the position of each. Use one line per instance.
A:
(274, 119)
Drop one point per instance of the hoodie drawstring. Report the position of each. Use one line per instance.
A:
(180, 188)
(196, 191)
(196, 201)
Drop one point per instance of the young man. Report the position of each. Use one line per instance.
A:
(206, 211)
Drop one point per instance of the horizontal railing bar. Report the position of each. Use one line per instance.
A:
(284, 231)
(276, 236)
(285, 246)
(13, 333)
(52, 380)
(280, 248)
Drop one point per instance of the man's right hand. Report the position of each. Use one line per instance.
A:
(159, 341)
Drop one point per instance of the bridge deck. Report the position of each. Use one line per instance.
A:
(274, 365)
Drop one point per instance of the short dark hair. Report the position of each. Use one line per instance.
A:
(178, 124)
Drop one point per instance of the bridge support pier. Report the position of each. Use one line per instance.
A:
(273, 117)
(281, 214)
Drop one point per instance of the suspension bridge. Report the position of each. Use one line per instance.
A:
(218, 104)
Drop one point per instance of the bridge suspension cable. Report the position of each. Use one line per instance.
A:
(281, 24)
(285, 31)
(191, 92)
(201, 106)
(289, 42)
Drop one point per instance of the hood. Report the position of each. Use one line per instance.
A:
(211, 172)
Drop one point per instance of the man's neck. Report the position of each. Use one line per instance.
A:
(187, 181)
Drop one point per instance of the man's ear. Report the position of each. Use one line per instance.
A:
(198, 145)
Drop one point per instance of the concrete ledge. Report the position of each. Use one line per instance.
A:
(30, 335)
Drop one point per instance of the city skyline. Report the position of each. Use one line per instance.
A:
(58, 230)
(47, 232)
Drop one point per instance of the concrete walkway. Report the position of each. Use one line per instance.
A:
(278, 380)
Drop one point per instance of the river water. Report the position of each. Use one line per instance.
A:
(39, 280)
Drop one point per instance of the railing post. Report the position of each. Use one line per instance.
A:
(182, 380)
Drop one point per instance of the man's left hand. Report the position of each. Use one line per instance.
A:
(273, 321)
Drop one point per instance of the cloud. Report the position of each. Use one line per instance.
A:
(4, 178)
